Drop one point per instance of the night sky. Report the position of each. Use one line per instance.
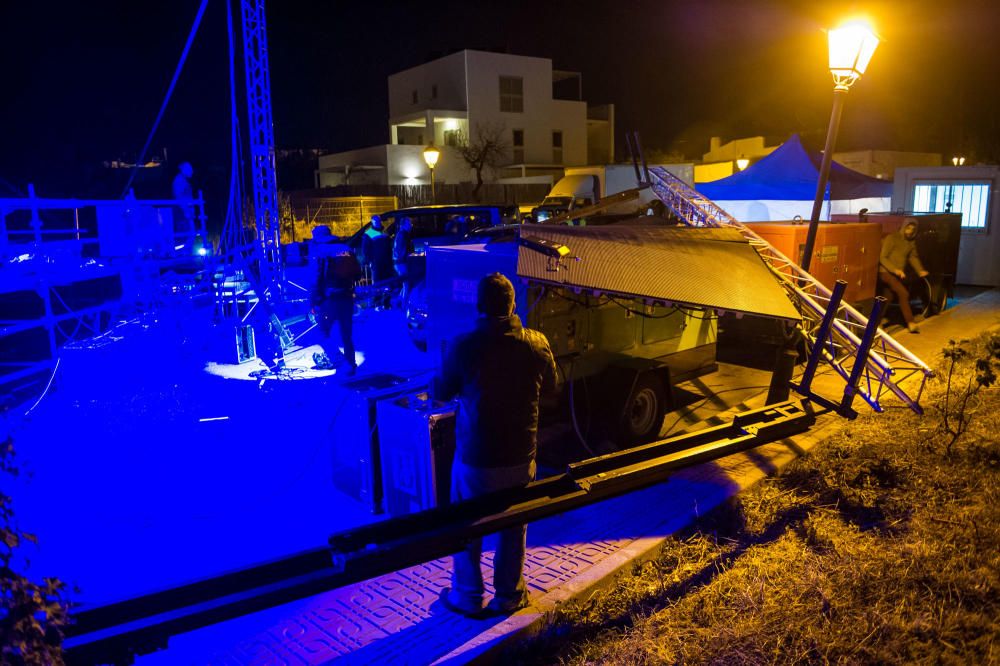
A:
(83, 81)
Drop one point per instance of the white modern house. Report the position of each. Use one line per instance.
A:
(538, 113)
(973, 191)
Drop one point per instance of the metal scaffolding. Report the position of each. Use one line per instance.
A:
(871, 374)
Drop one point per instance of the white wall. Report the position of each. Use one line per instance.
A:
(978, 251)
(372, 156)
(541, 113)
(447, 73)
(401, 165)
(774, 210)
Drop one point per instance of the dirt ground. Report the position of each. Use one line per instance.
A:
(881, 546)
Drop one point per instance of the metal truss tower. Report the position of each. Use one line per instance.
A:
(261, 130)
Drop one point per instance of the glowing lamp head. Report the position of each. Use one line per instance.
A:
(851, 49)
(431, 155)
(742, 163)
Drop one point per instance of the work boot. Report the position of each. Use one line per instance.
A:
(912, 327)
(322, 361)
(456, 604)
(498, 606)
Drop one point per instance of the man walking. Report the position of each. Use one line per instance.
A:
(332, 296)
(899, 249)
(498, 372)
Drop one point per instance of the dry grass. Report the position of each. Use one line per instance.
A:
(879, 547)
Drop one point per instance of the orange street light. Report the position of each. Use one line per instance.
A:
(431, 155)
(851, 48)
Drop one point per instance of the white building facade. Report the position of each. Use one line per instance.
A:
(519, 99)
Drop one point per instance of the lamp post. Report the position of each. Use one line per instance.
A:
(851, 48)
(431, 155)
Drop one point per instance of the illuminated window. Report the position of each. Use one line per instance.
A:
(512, 94)
(517, 141)
(557, 154)
(451, 137)
(969, 199)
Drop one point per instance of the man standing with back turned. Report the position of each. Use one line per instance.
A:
(498, 372)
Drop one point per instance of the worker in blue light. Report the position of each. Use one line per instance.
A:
(899, 250)
(376, 252)
(184, 224)
(499, 373)
(402, 247)
(332, 296)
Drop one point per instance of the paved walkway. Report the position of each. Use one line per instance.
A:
(397, 618)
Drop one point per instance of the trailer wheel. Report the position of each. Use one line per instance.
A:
(642, 416)
(937, 296)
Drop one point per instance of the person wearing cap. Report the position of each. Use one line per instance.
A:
(498, 372)
(332, 295)
(899, 250)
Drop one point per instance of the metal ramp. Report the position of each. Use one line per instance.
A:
(841, 339)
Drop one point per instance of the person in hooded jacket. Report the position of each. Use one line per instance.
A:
(899, 250)
(499, 373)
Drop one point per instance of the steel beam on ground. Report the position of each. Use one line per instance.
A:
(116, 632)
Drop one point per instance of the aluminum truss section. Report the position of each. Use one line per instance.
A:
(883, 370)
(262, 168)
(116, 632)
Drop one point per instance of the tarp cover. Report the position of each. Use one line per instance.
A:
(790, 173)
(702, 267)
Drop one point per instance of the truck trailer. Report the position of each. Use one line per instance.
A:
(629, 309)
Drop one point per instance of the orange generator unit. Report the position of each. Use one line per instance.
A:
(843, 251)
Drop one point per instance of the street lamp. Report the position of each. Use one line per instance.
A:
(742, 163)
(431, 155)
(851, 48)
(958, 161)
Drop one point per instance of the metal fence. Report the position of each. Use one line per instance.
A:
(346, 208)
(344, 215)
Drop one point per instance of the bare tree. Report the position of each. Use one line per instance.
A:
(486, 148)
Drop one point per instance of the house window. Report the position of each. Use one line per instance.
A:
(413, 96)
(512, 94)
(434, 91)
(557, 154)
(517, 141)
(452, 137)
(969, 199)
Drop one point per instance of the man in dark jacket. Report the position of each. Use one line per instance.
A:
(332, 295)
(899, 250)
(498, 372)
(402, 247)
(376, 248)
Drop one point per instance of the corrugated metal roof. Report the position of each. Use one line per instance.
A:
(704, 267)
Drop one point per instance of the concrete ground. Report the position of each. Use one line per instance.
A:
(398, 619)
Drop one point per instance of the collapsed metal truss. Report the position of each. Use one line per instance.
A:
(881, 370)
(115, 633)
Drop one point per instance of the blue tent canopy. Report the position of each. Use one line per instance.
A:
(789, 173)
